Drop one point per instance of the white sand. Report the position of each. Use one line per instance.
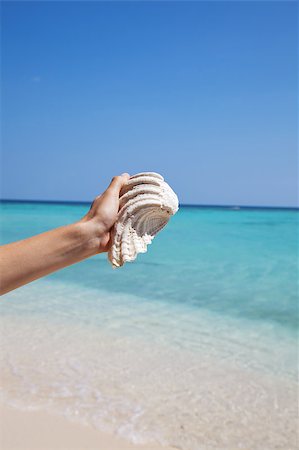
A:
(36, 430)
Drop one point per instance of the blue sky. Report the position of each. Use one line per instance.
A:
(202, 92)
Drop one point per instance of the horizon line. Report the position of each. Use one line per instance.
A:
(188, 205)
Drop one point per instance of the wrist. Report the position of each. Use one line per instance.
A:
(90, 235)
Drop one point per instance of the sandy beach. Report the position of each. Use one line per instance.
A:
(37, 430)
(192, 353)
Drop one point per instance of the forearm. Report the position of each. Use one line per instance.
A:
(27, 260)
(32, 258)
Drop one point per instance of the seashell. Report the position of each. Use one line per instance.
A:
(146, 204)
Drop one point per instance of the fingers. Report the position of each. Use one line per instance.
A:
(118, 182)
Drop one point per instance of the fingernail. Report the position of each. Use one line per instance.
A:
(125, 174)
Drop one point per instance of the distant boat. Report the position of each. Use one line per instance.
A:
(235, 208)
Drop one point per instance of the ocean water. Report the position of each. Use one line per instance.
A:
(194, 345)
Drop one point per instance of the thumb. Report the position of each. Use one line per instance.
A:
(118, 182)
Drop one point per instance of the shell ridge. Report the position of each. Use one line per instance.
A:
(146, 204)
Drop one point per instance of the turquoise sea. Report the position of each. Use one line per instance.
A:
(194, 345)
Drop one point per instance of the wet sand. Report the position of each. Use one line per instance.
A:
(37, 430)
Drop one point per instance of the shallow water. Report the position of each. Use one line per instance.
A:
(194, 344)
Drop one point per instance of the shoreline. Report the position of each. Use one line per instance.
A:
(41, 430)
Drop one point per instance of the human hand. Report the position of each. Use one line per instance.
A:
(103, 214)
(24, 261)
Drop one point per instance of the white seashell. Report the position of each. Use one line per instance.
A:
(146, 204)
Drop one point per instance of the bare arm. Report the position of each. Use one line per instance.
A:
(35, 257)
